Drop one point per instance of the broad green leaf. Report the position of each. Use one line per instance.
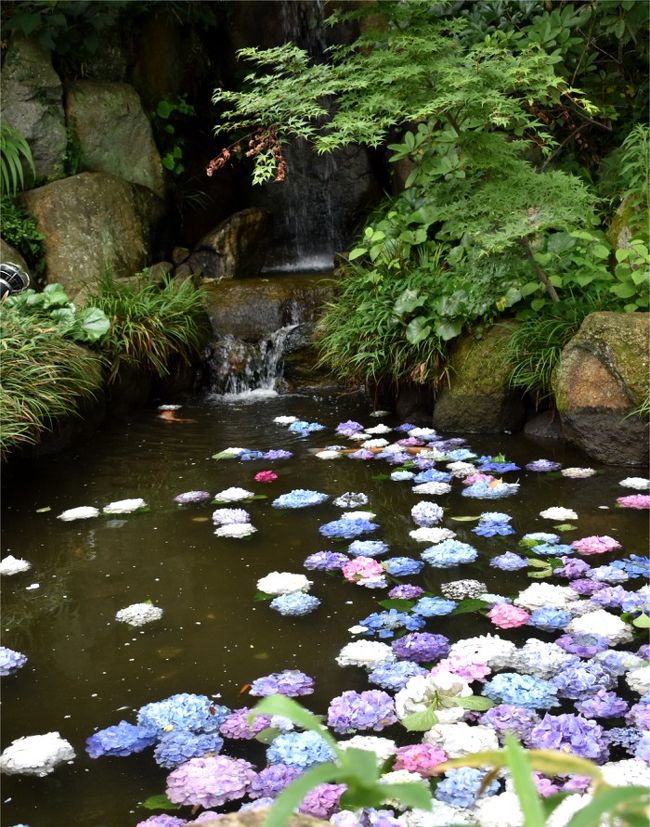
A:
(600, 251)
(94, 323)
(448, 330)
(401, 604)
(565, 527)
(642, 621)
(475, 702)
(357, 252)
(466, 519)
(259, 596)
(267, 735)
(355, 798)
(293, 794)
(609, 801)
(520, 772)
(407, 302)
(158, 802)
(417, 330)
(420, 721)
(470, 604)
(288, 708)
(413, 794)
(362, 764)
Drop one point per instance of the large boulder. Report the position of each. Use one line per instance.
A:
(478, 399)
(602, 379)
(113, 133)
(31, 98)
(93, 223)
(235, 248)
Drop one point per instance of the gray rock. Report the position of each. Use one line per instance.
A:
(113, 133)
(31, 97)
(93, 223)
(545, 425)
(602, 379)
(235, 248)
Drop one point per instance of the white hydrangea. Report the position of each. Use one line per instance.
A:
(602, 623)
(540, 595)
(577, 473)
(328, 454)
(638, 483)
(383, 748)
(432, 453)
(36, 754)
(283, 582)
(378, 429)
(627, 773)
(124, 506)
(82, 512)
(556, 512)
(498, 811)
(460, 470)
(137, 614)
(358, 515)
(379, 414)
(285, 420)
(423, 690)
(490, 649)
(540, 659)
(433, 489)
(367, 653)
(441, 815)
(374, 443)
(233, 494)
(14, 565)
(357, 437)
(458, 739)
(432, 535)
(417, 432)
(639, 679)
(566, 809)
(235, 530)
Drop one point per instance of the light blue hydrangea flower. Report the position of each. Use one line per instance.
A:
(10, 661)
(367, 548)
(295, 604)
(120, 740)
(402, 476)
(460, 787)
(395, 676)
(403, 566)
(299, 498)
(449, 553)
(347, 529)
(299, 749)
(521, 690)
(193, 713)
(434, 606)
(175, 748)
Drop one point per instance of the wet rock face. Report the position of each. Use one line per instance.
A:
(235, 248)
(602, 378)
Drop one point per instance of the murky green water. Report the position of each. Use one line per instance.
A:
(85, 671)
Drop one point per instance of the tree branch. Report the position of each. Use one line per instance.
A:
(541, 275)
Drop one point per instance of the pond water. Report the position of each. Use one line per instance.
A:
(86, 671)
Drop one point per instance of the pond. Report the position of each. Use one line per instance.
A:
(85, 671)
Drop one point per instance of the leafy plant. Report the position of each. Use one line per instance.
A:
(165, 123)
(20, 230)
(150, 324)
(14, 153)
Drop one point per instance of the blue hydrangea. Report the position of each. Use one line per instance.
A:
(426, 514)
(277, 453)
(299, 498)
(395, 676)
(488, 464)
(403, 566)
(175, 748)
(295, 604)
(488, 529)
(194, 713)
(635, 565)
(432, 475)
(402, 476)
(509, 561)
(303, 428)
(347, 529)
(460, 787)
(552, 549)
(521, 690)
(434, 606)
(608, 574)
(120, 740)
(483, 490)
(625, 737)
(10, 661)
(367, 548)
(352, 711)
(270, 781)
(535, 537)
(449, 553)
(299, 749)
(549, 619)
(634, 602)
(249, 456)
(289, 682)
(325, 561)
(603, 704)
(582, 680)
(460, 455)
(385, 624)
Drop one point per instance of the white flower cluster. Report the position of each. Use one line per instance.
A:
(457, 739)
(422, 690)
(36, 754)
(601, 623)
(235, 530)
(556, 512)
(639, 679)
(14, 565)
(234, 494)
(124, 506)
(366, 653)
(432, 535)
(383, 748)
(433, 489)
(138, 614)
(285, 420)
(283, 582)
(638, 483)
(82, 512)
(540, 595)
(540, 659)
(490, 649)
(577, 473)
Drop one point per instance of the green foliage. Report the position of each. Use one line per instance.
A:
(43, 377)
(14, 153)
(19, 229)
(168, 116)
(150, 324)
(52, 307)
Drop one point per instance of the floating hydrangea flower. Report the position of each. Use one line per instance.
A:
(602, 705)
(11, 565)
(449, 553)
(325, 561)
(405, 591)
(558, 513)
(235, 530)
(294, 604)
(366, 653)
(536, 537)
(434, 606)
(120, 740)
(351, 500)
(138, 614)
(538, 595)
(420, 758)
(402, 476)
(82, 512)
(303, 428)
(175, 748)
(577, 473)
(299, 498)
(367, 548)
(433, 489)
(540, 659)
(270, 781)
(237, 727)
(403, 566)
(358, 515)
(283, 582)
(439, 691)
(420, 647)
(506, 616)
(250, 456)
(608, 574)
(395, 676)
(36, 754)
(10, 661)
(350, 426)
(582, 680)
(638, 483)
(329, 453)
(570, 733)
(289, 682)
(265, 476)
(233, 494)
(426, 514)
(549, 619)
(277, 453)
(469, 669)
(490, 490)
(462, 589)
(460, 788)
(432, 475)
(509, 562)
(571, 568)
(209, 781)
(602, 623)
(431, 535)
(505, 718)
(124, 506)
(302, 750)
(184, 711)
(228, 516)
(189, 497)
(583, 645)
(543, 465)
(362, 568)
(285, 420)
(521, 690)
(385, 624)
(161, 820)
(347, 529)
(352, 711)
(595, 545)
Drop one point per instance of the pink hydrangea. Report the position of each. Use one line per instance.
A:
(265, 476)
(506, 616)
(478, 477)
(362, 568)
(466, 668)
(595, 544)
(209, 781)
(420, 758)
(634, 501)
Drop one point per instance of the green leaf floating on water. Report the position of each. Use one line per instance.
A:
(470, 604)
(259, 596)
(642, 621)
(466, 519)
(44, 510)
(565, 527)
(158, 802)
(401, 604)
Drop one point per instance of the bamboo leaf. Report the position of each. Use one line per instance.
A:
(520, 772)
(609, 800)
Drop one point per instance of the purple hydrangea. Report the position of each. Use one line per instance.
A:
(583, 645)
(194, 713)
(508, 718)
(347, 529)
(299, 749)
(395, 676)
(272, 780)
(277, 453)
(434, 606)
(639, 715)
(582, 680)
(323, 800)
(625, 737)
(521, 690)
(325, 561)
(362, 453)
(542, 465)
(289, 682)
(509, 561)
(210, 781)
(10, 661)
(421, 647)
(405, 591)
(352, 711)
(237, 726)
(188, 497)
(228, 516)
(602, 705)
(426, 514)
(449, 553)
(349, 427)
(385, 624)
(611, 597)
(461, 787)
(120, 740)
(175, 748)
(367, 548)
(432, 475)
(160, 820)
(549, 619)
(572, 567)
(570, 733)
(295, 604)
(403, 566)
(585, 586)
